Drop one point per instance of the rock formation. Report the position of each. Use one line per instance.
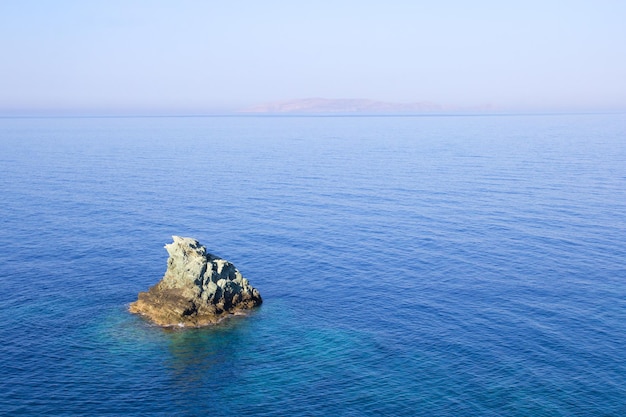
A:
(198, 288)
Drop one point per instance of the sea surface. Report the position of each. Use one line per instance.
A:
(410, 266)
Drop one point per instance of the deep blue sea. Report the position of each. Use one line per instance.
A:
(409, 266)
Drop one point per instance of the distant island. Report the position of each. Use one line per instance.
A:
(325, 105)
(356, 106)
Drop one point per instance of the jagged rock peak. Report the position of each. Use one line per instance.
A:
(198, 288)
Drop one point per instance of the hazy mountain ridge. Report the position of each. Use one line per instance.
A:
(324, 105)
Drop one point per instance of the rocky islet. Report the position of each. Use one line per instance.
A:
(198, 289)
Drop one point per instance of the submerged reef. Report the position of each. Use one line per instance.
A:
(198, 289)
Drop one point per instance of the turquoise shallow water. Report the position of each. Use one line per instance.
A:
(408, 265)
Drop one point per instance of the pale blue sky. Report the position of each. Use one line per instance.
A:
(193, 56)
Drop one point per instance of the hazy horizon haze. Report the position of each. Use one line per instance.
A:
(195, 57)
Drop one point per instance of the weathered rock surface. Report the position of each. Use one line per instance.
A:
(198, 288)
